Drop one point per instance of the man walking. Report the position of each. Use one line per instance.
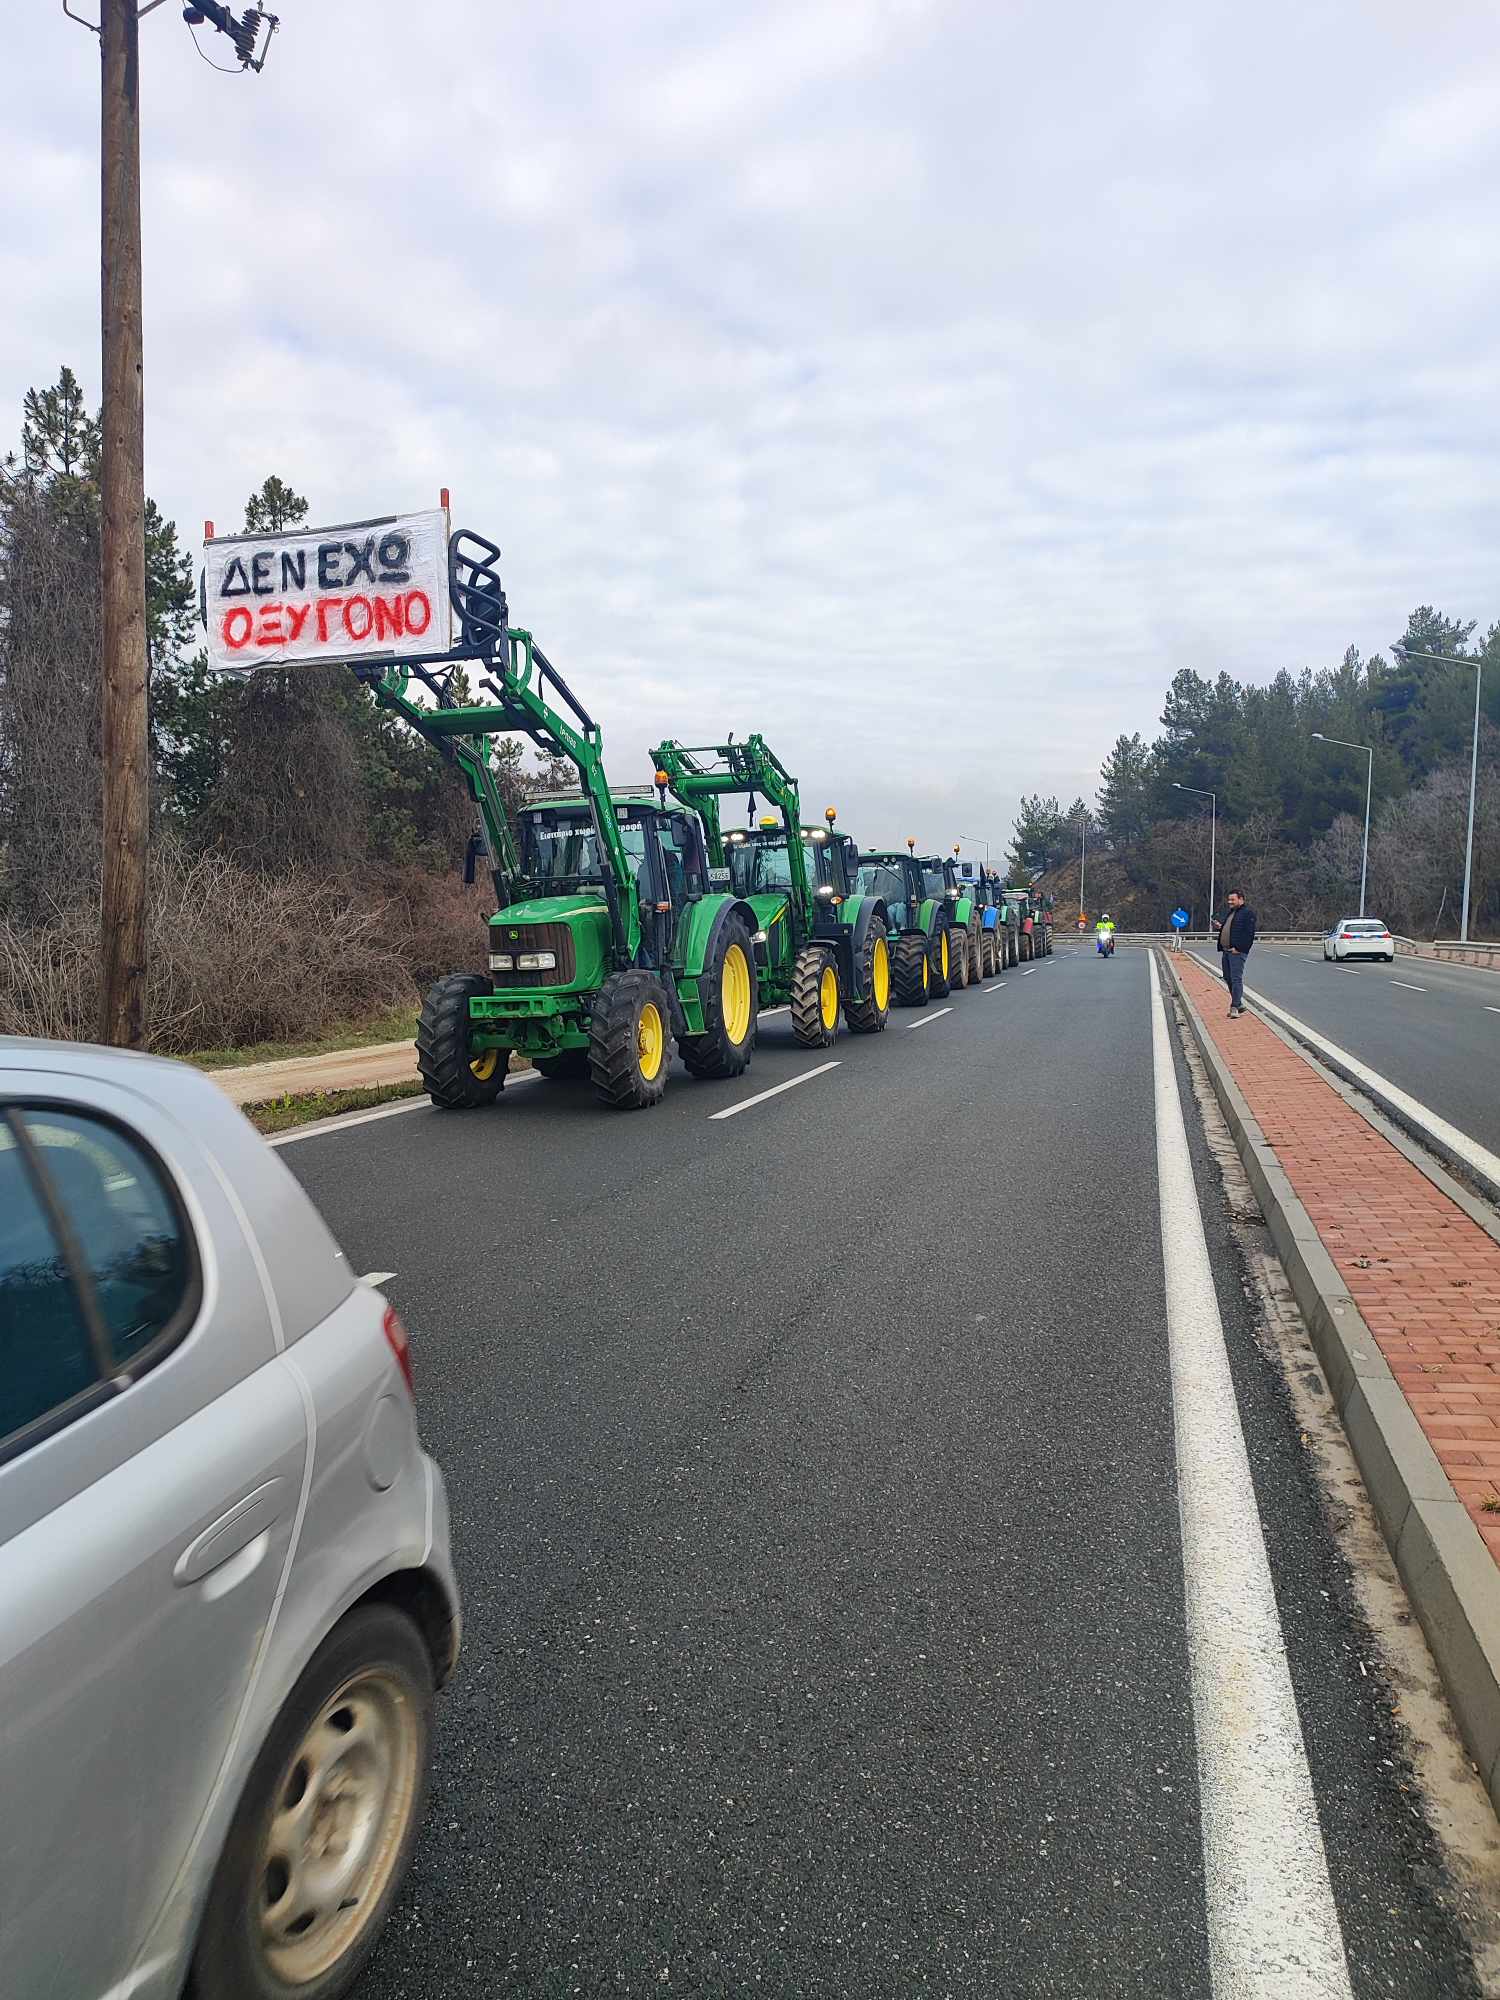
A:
(1236, 935)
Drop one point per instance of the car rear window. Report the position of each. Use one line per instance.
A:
(1364, 927)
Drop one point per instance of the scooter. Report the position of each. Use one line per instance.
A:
(1105, 946)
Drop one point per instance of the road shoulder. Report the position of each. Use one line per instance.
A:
(1400, 1290)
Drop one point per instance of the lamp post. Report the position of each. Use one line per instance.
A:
(1213, 837)
(1344, 744)
(978, 843)
(1453, 660)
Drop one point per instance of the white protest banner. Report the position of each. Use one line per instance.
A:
(369, 590)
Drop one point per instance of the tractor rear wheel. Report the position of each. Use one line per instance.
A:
(869, 1016)
(727, 995)
(940, 960)
(911, 970)
(457, 1078)
(976, 953)
(958, 944)
(987, 955)
(567, 1066)
(629, 1041)
(815, 997)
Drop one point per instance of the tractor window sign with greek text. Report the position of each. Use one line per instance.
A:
(369, 590)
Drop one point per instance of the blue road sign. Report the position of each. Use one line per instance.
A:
(1179, 919)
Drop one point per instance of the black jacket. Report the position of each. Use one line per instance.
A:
(1241, 929)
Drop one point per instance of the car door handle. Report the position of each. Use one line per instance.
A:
(233, 1531)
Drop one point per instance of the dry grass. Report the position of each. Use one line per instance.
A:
(281, 1114)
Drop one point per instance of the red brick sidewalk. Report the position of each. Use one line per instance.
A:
(1426, 1278)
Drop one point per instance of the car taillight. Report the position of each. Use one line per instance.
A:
(400, 1340)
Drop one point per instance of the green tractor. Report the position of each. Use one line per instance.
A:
(1033, 916)
(820, 945)
(610, 940)
(927, 917)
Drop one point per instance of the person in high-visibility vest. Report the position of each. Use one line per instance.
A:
(1104, 934)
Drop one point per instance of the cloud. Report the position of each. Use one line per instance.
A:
(920, 384)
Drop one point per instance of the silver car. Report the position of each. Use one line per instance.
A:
(226, 1596)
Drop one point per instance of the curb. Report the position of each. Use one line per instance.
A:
(1449, 1574)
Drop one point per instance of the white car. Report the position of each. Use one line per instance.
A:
(226, 1596)
(1359, 937)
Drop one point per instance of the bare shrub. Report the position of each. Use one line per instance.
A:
(235, 958)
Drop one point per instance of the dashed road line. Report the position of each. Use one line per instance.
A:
(1408, 985)
(995, 985)
(928, 1019)
(1028, 972)
(1273, 1925)
(376, 1278)
(745, 1103)
(1489, 1009)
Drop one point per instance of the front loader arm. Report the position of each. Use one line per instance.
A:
(744, 769)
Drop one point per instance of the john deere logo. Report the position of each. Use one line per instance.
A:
(515, 934)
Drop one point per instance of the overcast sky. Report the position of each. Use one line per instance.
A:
(922, 384)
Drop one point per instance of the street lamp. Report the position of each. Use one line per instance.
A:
(978, 843)
(1364, 865)
(1453, 660)
(1213, 837)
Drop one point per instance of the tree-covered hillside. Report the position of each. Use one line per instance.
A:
(1291, 808)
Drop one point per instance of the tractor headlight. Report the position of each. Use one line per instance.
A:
(502, 961)
(758, 938)
(824, 889)
(537, 961)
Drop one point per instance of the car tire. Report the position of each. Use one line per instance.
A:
(370, 1686)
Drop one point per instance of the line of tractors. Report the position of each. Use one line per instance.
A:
(629, 920)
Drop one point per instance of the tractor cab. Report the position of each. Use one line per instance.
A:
(663, 847)
(897, 880)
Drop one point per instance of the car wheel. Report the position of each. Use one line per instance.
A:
(324, 1830)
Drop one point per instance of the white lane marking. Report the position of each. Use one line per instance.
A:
(347, 1120)
(995, 987)
(776, 1089)
(1028, 972)
(1273, 1925)
(376, 1278)
(1479, 1157)
(1491, 1010)
(928, 1019)
(767, 1012)
(1408, 985)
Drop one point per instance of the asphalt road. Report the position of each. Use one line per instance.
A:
(816, 1505)
(1430, 1028)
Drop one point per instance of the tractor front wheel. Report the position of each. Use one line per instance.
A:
(815, 998)
(991, 954)
(629, 1040)
(727, 996)
(870, 1014)
(457, 1077)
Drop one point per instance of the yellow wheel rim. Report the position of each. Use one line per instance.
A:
(926, 973)
(734, 994)
(650, 1041)
(880, 974)
(943, 953)
(828, 997)
(482, 1068)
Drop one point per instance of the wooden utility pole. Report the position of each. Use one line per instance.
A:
(123, 536)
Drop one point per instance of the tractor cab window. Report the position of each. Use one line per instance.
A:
(820, 865)
(559, 850)
(760, 865)
(934, 881)
(683, 856)
(887, 880)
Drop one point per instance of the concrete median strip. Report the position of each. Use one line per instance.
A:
(1417, 1350)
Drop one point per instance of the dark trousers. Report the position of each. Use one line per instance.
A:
(1234, 976)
